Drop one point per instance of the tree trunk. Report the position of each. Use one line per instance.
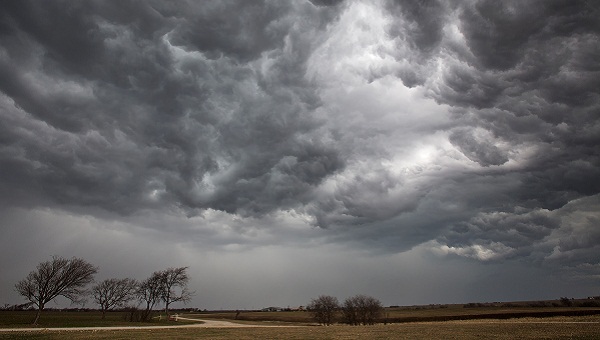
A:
(167, 310)
(103, 313)
(147, 312)
(37, 315)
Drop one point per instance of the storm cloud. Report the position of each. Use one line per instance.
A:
(468, 131)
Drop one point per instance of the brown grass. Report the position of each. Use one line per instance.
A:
(417, 314)
(48, 319)
(530, 328)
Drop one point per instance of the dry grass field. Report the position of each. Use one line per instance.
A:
(528, 328)
(420, 313)
(48, 319)
(560, 327)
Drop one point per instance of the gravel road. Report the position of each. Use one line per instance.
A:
(204, 324)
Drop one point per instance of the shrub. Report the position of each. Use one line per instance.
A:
(323, 309)
(133, 314)
(565, 301)
(362, 309)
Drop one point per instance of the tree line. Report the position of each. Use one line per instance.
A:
(70, 277)
(357, 310)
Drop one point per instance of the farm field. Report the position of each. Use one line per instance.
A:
(553, 327)
(417, 313)
(22, 319)
(528, 328)
(48, 319)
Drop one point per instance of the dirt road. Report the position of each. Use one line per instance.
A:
(204, 324)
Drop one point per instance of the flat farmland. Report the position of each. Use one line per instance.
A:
(507, 326)
(528, 328)
(49, 319)
(415, 314)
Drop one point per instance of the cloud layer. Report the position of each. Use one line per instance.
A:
(470, 129)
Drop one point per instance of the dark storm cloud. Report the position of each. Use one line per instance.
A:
(539, 69)
(138, 105)
(501, 34)
(425, 18)
(521, 81)
(255, 108)
(531, 83)
(255, 27)
(265, 136)
(326, 2)
(419, 25)
(522, 51)
(480, 151)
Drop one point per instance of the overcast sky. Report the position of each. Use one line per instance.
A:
(415, 151)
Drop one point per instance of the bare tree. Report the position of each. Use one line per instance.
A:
(372, 310)
(350, 311)
(149, 292)
(362, 309)
(174, 286)
(323, 309)
(112, 293)
(58, 277)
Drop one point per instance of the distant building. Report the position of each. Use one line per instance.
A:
(272, 309)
